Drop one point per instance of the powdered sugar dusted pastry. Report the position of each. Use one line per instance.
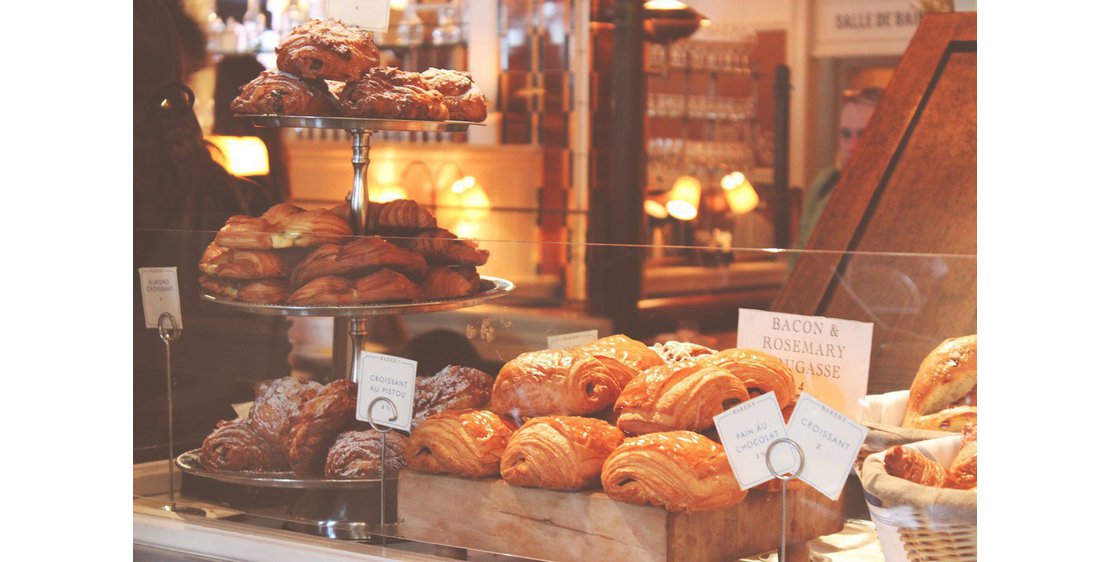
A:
(464, 100)
(317, 423)
(357, 454)
(392, 93)
(453, 388)
(676, 351)
(235, 446)
(275, 92)
(276, 402)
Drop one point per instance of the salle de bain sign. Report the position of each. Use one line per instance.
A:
(864, 27)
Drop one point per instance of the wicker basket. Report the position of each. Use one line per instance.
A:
(920, 523)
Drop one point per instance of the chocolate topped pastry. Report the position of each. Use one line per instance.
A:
(280, 93)
(328, 49)
(391, 93)
(465, 102)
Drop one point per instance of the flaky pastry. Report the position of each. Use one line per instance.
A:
(466, 443)
(559, 452)
(677, 396)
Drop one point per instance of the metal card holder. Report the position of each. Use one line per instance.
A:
(169, 331)
(785, 477)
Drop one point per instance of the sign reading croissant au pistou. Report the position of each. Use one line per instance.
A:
(386, 390)
(831, 357)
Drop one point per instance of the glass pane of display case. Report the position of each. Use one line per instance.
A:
(518, 454)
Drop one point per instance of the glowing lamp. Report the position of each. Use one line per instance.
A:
(241, 156)
(740, 193)
(682, 203)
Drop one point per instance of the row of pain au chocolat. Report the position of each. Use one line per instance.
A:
(294, 256)
(616, 414)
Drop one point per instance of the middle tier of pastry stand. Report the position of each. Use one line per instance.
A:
(341, 507)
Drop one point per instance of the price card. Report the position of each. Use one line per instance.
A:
(832, 356)
(371, 14)
(830, 442)
(573, 339)
(242, 409)
(746, 432)
(392, 378)
(160, 294)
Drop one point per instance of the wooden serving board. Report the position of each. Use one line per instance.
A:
(491, 515)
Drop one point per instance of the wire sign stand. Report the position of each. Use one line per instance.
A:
(785, 477)
(383, 430)
(169, 331)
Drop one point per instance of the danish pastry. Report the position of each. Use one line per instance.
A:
(392, 93)
(364, 254)
(678, 351)
(553, 381)
(276, 402)
(466, 443)
(910, 464)
(440, 247)
(275, 92)
(464, 101)
(305, 229)
(398, 216)
(383, 285)
(328, 49)
(677, 396)
(559, 452)
(678, 470)
(262, 291)
(963, 473)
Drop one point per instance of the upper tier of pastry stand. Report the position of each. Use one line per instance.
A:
(360, 130)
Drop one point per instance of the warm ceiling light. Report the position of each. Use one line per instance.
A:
(666, 21)
(241, 156)
(740, 193)
(655, 209)
(466, 197)
(682, 202)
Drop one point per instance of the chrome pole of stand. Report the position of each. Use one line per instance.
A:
(381, 467)
(785, 477)
(169, 332)
(358, 329)
(360, 193)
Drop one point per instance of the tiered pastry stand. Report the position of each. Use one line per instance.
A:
(344, 508)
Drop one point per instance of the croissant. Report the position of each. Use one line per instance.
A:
(275, 404)
(678, 470)
(963, 473)
(678, 351)
(466, 443)
(624, 357)
(386, 285)
(398, 215)
(283, 227)
(358, 256)
(358, 454)
(317, 423)
(262, 291)
(760, 372)
(910, 464)
(946, 377)
(453, 388)
(328, 49)
(241, 264)
(440, 246)
(559, 452)
(235, 446)
(677, 396)
(553, 381)
(443, 282)
(329, 290)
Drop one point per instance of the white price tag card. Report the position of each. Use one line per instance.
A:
(392, 378)
(242, 409)
(832, 356)
(160, 294)
(371, 14)
(830, 442)
(573, 339)
(746, 432)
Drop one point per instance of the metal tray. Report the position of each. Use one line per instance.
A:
(490, 288)
(190, 462)
(355, 123)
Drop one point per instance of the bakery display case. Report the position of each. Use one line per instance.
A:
(361, 379)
